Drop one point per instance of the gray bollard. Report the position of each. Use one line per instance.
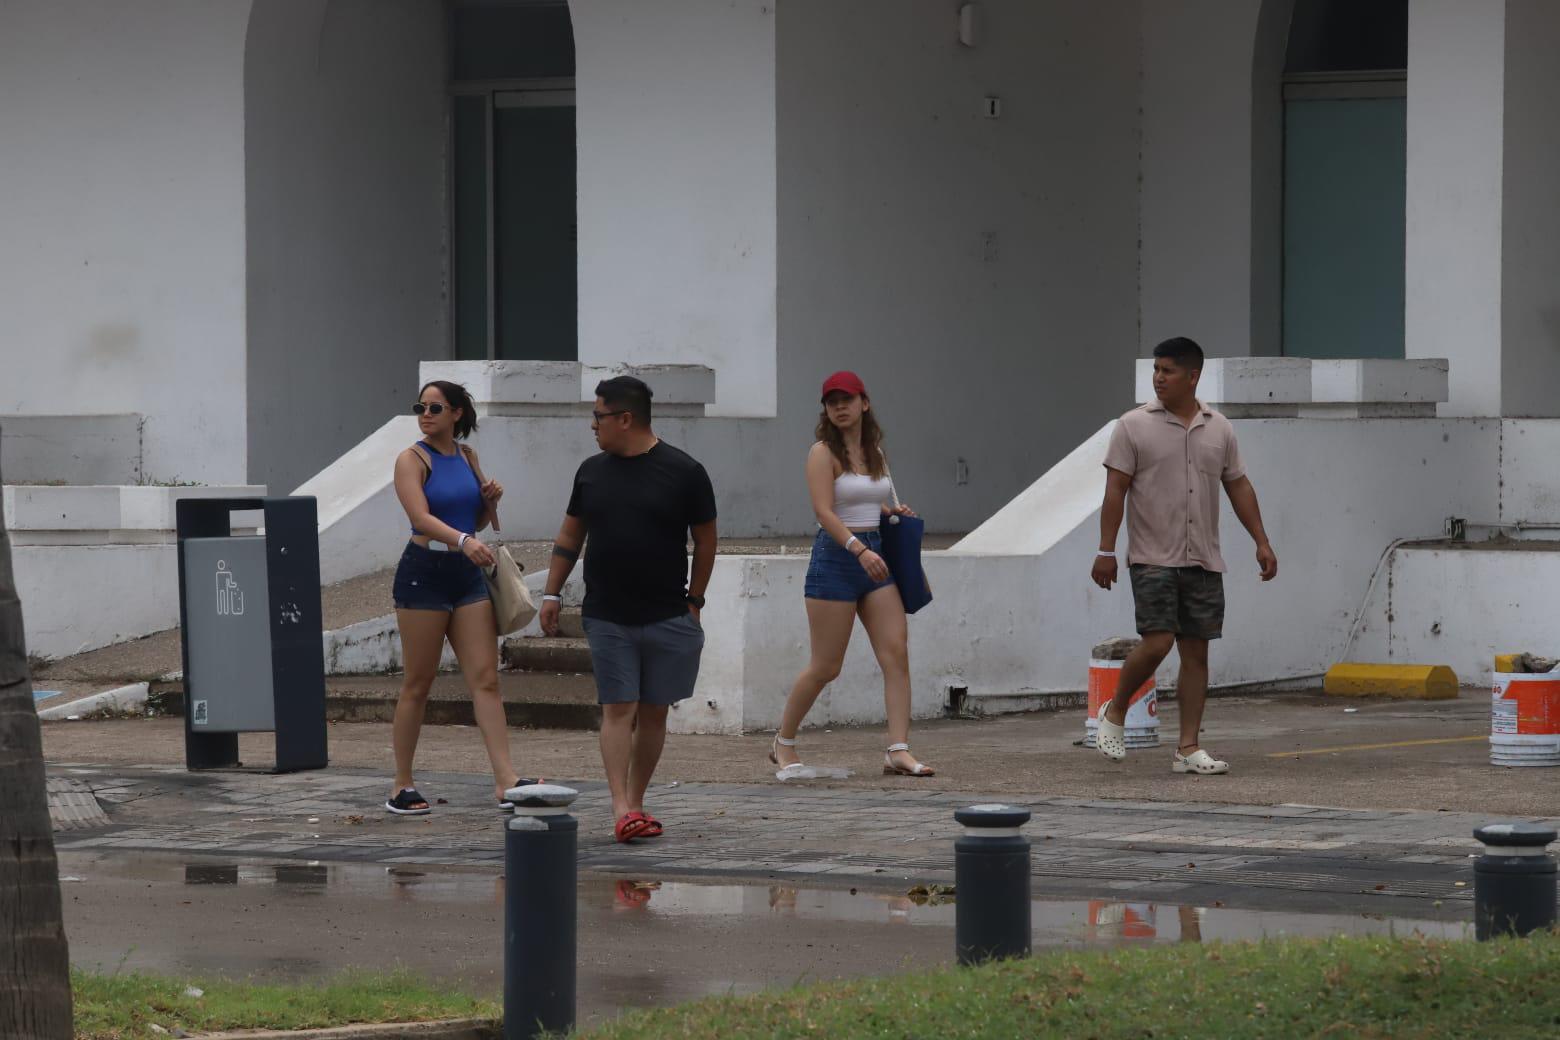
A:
(540, 879)
(1514, 880)
(991, 884)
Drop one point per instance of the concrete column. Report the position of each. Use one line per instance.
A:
(1530, 220)
(1453, 274)
(1483, 249)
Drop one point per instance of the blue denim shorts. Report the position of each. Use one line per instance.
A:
(835, 573)
(427, 579)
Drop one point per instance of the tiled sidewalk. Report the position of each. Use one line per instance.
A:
(1294, 857)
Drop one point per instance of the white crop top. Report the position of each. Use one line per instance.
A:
(858, 499)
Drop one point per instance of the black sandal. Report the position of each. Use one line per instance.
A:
(504, 805)
(407, 802)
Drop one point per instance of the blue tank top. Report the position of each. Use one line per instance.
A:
(453, 494)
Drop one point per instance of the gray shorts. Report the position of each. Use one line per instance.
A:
(651, 664)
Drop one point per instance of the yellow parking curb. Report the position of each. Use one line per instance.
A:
(1425, 682)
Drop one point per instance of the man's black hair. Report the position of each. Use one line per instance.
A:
(1184, 352)
(627, 394)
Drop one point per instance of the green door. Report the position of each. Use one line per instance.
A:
(1345, 163)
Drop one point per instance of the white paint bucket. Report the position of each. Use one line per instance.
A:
(1525, 719)
(1142, 723)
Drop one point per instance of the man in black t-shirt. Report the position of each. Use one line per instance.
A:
(636, 503)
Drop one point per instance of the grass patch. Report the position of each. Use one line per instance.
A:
(1341, 987)
(125, 1007)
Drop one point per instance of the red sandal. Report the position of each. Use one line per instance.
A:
(654, 828)
(630, 826)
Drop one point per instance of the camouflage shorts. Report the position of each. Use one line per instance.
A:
(1188, 601)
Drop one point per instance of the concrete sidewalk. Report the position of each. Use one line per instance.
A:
(1397, 826)
(1284, 748)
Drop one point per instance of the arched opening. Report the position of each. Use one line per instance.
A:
(513, 186)
(1344, 176)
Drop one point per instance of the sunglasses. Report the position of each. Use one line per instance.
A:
(432, 409)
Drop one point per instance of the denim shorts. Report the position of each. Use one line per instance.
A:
(656, 663)
(834, 572)
(427, 579)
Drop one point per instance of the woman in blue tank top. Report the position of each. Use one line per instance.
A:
(440, 592)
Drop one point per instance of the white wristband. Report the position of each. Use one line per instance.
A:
(549, 596)
(462, 543)
(850, 540)
(1106, 553)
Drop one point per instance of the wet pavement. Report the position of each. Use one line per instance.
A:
(643, 941)
(1291, 857)
(1337, 818)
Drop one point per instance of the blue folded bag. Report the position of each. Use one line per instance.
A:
(902, 552)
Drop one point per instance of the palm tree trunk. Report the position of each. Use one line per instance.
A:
(34, 962)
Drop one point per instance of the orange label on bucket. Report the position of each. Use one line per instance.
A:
(1103, 677)
(1524, 705)
(1128, 920)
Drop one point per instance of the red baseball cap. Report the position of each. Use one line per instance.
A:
(844, 382)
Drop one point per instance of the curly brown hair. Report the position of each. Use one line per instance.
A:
(871, 443)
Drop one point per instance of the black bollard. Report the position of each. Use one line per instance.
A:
(991, 883)
(1514, 881)
(540, 879)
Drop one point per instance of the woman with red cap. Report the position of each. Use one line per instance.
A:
(848, 480)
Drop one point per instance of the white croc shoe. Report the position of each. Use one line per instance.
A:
(1199, 761)
(1110, 740)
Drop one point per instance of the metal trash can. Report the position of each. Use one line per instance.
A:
(249, 614)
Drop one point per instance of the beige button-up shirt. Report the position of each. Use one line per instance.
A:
(1176, 471)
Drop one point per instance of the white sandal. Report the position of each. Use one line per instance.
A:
(890, 768)
(1199, 762)
(1111, 740)
(779, 742)
(786, 772)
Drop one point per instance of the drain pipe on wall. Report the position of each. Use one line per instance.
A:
(1375, 576)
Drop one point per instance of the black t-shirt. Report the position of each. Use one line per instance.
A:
(637, 512)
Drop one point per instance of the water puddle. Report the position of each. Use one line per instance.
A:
(297, 921)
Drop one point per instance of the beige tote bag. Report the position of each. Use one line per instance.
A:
(513, 607)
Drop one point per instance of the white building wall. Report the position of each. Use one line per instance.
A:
(1015, 613)
(978, 273)
(96, 565)
(345, 113)
(122, 222)
(1211, 141)
(676, 139)
(1530, 480)
(1460, 606)
(1453, 274)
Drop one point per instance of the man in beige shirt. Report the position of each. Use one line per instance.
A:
(1171, 455)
